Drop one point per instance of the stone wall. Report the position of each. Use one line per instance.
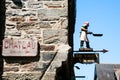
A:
(45, 21)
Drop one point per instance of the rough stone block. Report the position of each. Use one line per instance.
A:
(26, 25)
(17, 19)
(10, 64)
(40, 66)
(47, 47)
(47, 56)
(54, 5)
(13, 33)
(44, 25)
(22, 76)
(54, 36)
(54, 66)
(43, 13)
(28, 67)
(35, 5)
(62, 23)
(9, 69)
(49, 76)
(33, 31)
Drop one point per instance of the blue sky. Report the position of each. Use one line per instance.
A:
(104, 18)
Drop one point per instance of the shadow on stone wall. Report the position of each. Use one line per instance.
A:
(61, 72)
(1, 64)
(18, 3)
(66, 70)
(2, 30)
(21, 60)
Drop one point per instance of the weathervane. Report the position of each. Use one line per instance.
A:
(83, 37)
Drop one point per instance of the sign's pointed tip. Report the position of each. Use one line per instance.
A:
(104, 50)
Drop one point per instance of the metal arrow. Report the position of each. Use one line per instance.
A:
(104, 51)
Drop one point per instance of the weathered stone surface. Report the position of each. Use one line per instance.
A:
(44, 25)
(50, 76)
(47, 56)
(107, 71)
(28, 67)
(50, 0)
(54, 36)
(16, 7)
(32, 18)
(22, 76)
(64, 24)
(17, 19)
(117, 73)
(41, 66)
(11, 69)
(62, 52)
(60, 24)
(26, 25)
(54, 5)
(43, 13)
(13, 33)
(44, 20)
(35, 4)
(59, 57)
(54, 66)
(10, 64)
(9, 26)
(47, 47)
(33, 31)
(49, 18)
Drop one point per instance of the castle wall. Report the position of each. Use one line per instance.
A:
(35, 39)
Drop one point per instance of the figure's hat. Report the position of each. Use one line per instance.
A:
(86, 22)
